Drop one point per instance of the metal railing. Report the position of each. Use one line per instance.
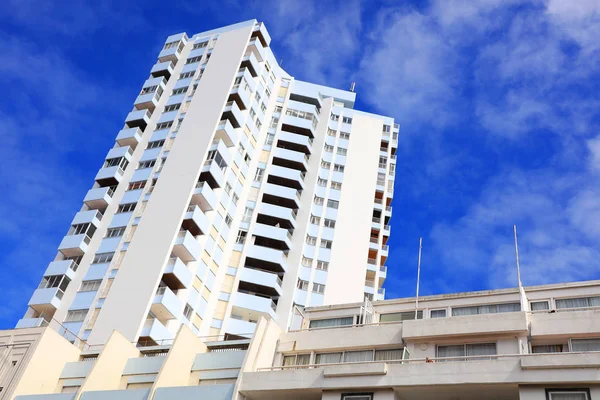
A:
(372, 261)
(369, 283)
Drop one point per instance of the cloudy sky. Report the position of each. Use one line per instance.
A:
(497, 100)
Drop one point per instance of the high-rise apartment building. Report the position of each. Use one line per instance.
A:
(233, 191)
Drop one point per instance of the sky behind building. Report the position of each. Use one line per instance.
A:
(496, 100)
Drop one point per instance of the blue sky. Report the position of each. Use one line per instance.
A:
(497, 102)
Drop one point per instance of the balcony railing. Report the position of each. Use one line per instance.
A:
(161, 290)
(383, 268)
(385, 247)
(378, 201)
(376, 220)
(374, 240)
(372, 261)
(369, 283)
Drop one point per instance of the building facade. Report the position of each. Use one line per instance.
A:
(233, 192)
(540, 343)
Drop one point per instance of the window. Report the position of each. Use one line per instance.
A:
(328, 358)
(333, 203)
(578, 302)
(136, 185)
(325, 164)
(180, 90)
(315, 220)
(338, 168)
(228, 220)
(437, 313)
(326, 244)
(76, 315)
(322, 182)
(187, 311)
(307, 262)
(388, 355)
(311, 240)
(462, 350)
(329, 223)
(200, 45)
(550, 348)
(54, 281)
(241, 236)
(80, 229)
(585, 344)
(103, 258)
(172, 107)
(347, 120)
(228, 188)
(322, 265)
(185, 75)
(171, 45)
(299, 359)
(90, 286)
(318, 200)
(326, 323)
(270, 138)
(539, 305)
(334, 117)
(234, 199)
(400, 316)
(387, 128)
(247, 214)
(344, 135)
(342, 151)
(258, 175)
(129, 207)
(302, 285)
(318, 288)
(146, 164)
(163, 125)
(192, 60)
(155, 144)
(336, 185)
(487, 309)
(115, 232)
(328, 148)
(568, 394)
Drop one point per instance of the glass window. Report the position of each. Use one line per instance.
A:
(437, 313)
(358, 356)
(325, 323)
(401, 316)
(539, 305)
(585, 345)
(328, 358)
(388, 355)
(549, 348)
(564, 394)
(486, 309)
(578, 302)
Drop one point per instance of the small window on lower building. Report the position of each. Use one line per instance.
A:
(437, 314)
(547, 348)
(539, 305)
(296, 360)
(585, 344)
(568, 394)
(357, 396)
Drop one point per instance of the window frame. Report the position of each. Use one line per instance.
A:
(549, 392)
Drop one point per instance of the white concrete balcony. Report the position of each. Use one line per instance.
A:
(372, 265)
(241, 92)
(240, 327)
(387, 230)
(31, 323)
(566, 323)
(290, 159)
(282, 238)
(62, 267)
(380, 294)
(162, 69)
(287, 197)
(245, 73)
(186, 247)
(287, 176)
(382, 272)
(257, 48)
(298, 125)
(376, 223)
(150, 100)
(374, 244)
(166, 305)
(262, 34)
(388, 211)
(195, 221)
(169, 55)
(138, 119)
(46, 300)
(286, 216)
(154, 330)
(129, 137)
(221, 148)
(262, 281)
(467, 325)
(378, 205)
(177, 274)
(98, 197)
(233, 113)
(87, 217)
(204, 197)
(266, 258)
(110, 176)
(303, 143)
(385, 249)
(227, 133)
(213, 174)
(253, 306)
(74, 245)
(251, 62)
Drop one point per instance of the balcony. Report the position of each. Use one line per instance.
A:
(226, 133)
(250, 61)
(298, 125)
(74, 245)
(567, 323)
(177, 274)
(266, 258)
(31, 323)
(385, 250)
(272, 214)
(257, 48)
(212, 174)
(110, 176)
(62, 267)
(281, 195)
(87, 217)
(186, 247)
(247, 304)
(98, 198)
(171, 54)
(204, 197)
(467, 325)
(295, 142)
(162, 69)
(154, 331)
(138, 119)
(290, 159)
(372, 265)
(278, 238)
(166, 305)
(254, 280)
(382, 272)
(46, 300)
(289, 177)
(233, 113)
(129, 137)
(240, 327)
(195, 221)
(150, 100)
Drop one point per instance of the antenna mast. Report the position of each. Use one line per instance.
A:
(418, 277)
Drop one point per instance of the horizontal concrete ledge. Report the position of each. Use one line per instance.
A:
(355, 370)
(561, 361)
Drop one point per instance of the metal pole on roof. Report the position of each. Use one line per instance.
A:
(418, 277)
(517, 256)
